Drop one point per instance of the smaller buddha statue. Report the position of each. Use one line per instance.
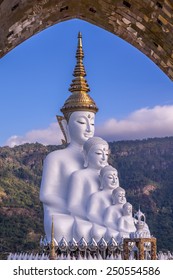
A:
(125, 223)
(83, 183)
(101, 199)
(114, 212)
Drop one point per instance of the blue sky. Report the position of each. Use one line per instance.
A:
(135, 98)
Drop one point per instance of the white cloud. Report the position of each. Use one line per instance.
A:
(143, 123)
(48, 136)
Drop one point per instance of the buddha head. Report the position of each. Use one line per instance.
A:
(127, 209)
(108, 178)
(96, 152)
(81, 126)
(118, 196)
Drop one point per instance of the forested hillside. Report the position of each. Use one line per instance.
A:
(145, 170)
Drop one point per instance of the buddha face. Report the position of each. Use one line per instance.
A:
(127, 209)
(119, 197)
(110, 180)
(81, 126)
(97, 156)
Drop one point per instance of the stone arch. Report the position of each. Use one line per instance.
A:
(147, 25)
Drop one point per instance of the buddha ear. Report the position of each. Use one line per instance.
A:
(85, 160)
(113, 200)
(101, 187)
(66, 128)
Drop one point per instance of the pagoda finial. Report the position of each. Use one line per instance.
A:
(79, 39)
(79, 100)
(79, 84)
(52, 244)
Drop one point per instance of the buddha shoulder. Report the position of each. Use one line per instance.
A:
(56, 156)
(79, 175)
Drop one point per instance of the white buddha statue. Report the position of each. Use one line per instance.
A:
(83, 183)
(79, 115)
(101, 199)
(114, 212)
(125, 223)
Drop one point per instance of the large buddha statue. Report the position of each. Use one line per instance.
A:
(78, 122)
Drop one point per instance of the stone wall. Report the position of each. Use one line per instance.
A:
(147, 25)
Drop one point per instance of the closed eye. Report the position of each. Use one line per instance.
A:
(81, 122)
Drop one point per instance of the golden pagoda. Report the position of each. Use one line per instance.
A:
(79, 100)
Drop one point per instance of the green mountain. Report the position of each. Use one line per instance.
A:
(145, 171)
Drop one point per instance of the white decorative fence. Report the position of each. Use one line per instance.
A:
(92, 250)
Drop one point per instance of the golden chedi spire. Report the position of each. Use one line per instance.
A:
(79, 100)
(79, 84)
